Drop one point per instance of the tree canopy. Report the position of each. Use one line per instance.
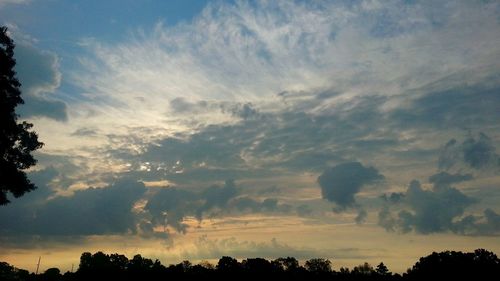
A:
(16, 140)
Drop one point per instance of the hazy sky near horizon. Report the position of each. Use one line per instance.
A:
(351, 130)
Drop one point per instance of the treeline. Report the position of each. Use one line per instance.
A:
(478, 265)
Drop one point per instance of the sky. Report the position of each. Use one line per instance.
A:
(350, 130)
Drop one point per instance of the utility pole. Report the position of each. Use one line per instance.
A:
(38, 265)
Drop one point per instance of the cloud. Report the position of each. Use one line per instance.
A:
(92, 211)
(262, 90)
(440, 209)
(491, 225)
(216, 196)
(443, 208)
(124, 207)
(169, 206)
(445, 179)
(479, 153)
(260, 147)
(39, 74)
(475, 152)
(395, 197)
(451, 101)
(241, 110)
(275, 92)
(248, 52)
(434, 210)
(206, 248)
(387, 221)
(339, 184)
(486, 225)
(36, 107)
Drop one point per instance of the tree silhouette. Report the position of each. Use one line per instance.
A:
(449, 265)
(257, 266)
(8, 273)
(286, 264)
(381, 269)
(228, 264)
(16, 140)
(51, 274)
(479, 265)
(319, 265)
(363, 269)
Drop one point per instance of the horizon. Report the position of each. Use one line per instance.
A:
(213, 264)
(357, 131)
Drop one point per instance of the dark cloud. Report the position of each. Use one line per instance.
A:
(433, 210)
(451, 102)
(386, 220)
(340, 183)
(486, 225)
(91, 211)
(445, 179)
(262, 143)
(169, 206)
(440, 209)
(476, 152)
(394, 197)
(491, 224)
(38, 72)
(479, 153)
(40, 106)
(209, 147)
(112, 209)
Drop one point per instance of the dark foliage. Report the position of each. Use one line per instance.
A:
(16, 140)
(478, 265)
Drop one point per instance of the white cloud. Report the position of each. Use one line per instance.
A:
(250, 52)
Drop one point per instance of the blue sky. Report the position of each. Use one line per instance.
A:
(357, 131)
(56, 22)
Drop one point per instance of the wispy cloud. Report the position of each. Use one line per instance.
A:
(247, 52)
